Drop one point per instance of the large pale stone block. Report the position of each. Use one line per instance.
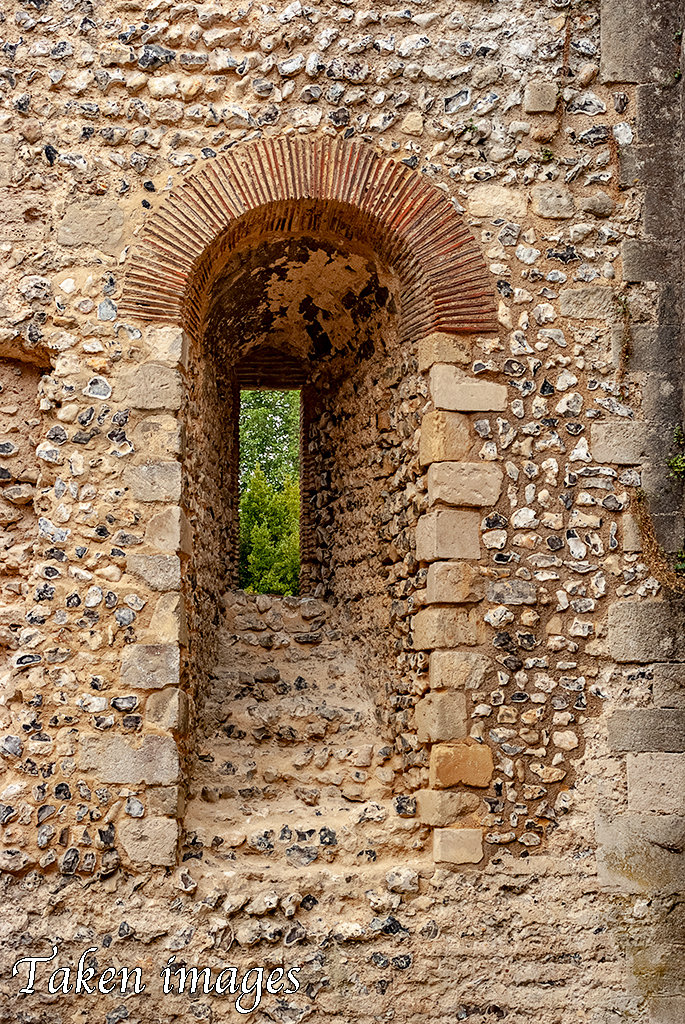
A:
(447, 534)
(469, 763)
(553, 201)
(441, 716)
(94, 221)
(170, 531)
(150, 666)
(641, 853)
(445, 626)
(644, 631)
(168, 622)
(160, 572)
(464, 483)
(168, 708)
(594, 303)
(445, 437)
(487, 200)
(454, 583)
(647, 729)
(460, 670)
(149, 840)
(153, 386)
(454, 391)
(443, 807)
(656, 782)
(668, 685)
(157, 481)
(624, 444)
(444, 348)
(114, 759)
(457, 845)
(167, 345)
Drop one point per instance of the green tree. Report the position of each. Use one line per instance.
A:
(269, 492)
(269, 435)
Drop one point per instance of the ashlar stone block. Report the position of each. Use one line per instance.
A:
(457, 845)
(160, 572)
(452, 390)
(455, 670)
(656, 782)
(441, 716)
(442, 807)
(454, 583)
(445, 626)
(469, 763)
(540, 97)
(149, 840)
(153, 386)
(115, 759)
(150, 666)
(445, 437)
(444, 348)
(156, 481)
(448, 534)
(464, 483)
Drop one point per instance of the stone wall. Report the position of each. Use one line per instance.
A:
(457, 226)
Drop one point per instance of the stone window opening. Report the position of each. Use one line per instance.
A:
(270, 413)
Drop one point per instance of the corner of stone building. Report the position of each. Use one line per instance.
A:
(641, 836)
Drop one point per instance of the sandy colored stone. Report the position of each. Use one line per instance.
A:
(444, 348)
(448, 534)
(553, 201)
(454, 583)
(456, 392)
(441, 807)
(168, 709)
(441, 716)
(459, 669)
(464, 483)
(457, 845)
(469, 763)
(116, 759)
(656, 782)
(150, 666)
(438, 626)
(486, 200)
(169, 531)
(153, 386)
(160, 572)
(149, 840)
(445, 436)
(168, 345)
(96, 221)
(540, 96)
(157, 481)
(596, 302)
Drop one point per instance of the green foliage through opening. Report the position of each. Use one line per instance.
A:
(269, 492)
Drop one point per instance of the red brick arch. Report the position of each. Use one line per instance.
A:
(339, 189)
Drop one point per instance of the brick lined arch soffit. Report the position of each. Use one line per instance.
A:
(334, 189)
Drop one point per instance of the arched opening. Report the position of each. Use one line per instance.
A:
(290, 681)
(323, 266)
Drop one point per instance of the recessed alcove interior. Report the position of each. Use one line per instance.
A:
(299, 309)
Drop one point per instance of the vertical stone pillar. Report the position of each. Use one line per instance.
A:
(107, 591)
(450, 624)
